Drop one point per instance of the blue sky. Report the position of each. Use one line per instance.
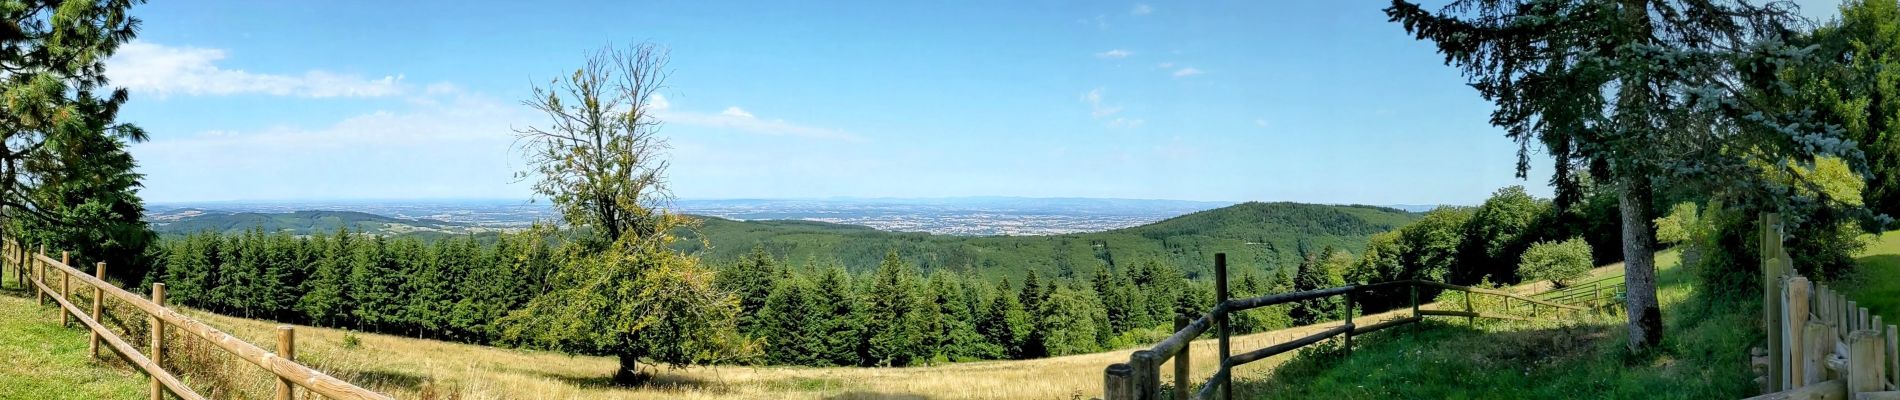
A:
(1207, 100)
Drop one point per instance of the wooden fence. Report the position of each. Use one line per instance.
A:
(1820, 344)
(1140, 377)
(53, 279)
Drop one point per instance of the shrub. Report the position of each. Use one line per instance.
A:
(1559, 262)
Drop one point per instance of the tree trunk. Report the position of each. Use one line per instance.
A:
(629, 371)
(1639, 263)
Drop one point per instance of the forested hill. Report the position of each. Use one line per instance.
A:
(1255, 236)
(303, 223)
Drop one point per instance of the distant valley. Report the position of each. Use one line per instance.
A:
(989, 236)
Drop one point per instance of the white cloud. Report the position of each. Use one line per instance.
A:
(1142, 9)
(1186, 72)
(150, 68)
(1260, 122)
(404, 152)
(736, 112)
(1120, 122)
(1116, 53)
(735, 118)
(1096, 108)
(1165, 65)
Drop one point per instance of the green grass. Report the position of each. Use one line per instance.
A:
(1875, 284)
(45, 361)
(1703, 356)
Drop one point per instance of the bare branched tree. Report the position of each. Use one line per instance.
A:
(599, 159)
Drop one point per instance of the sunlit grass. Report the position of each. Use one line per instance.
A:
(41, 360)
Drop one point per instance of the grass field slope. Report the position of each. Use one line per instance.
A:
(41, 360)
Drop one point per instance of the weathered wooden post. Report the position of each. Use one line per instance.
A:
(1220, 319)
(286, 348)
(1771, 308)
(1893, 354)
(39, 276)
(1115, 382)
(1797, 317)
(1817, 339)
(98, 295)
(65, 287)
(1147, 375)
(1414, 289)
(1183, 363)
(1349, 324)
(158, 339)
(1865, 367)
(1470, 319)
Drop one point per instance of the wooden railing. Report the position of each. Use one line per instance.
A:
(1820, 344)
(50, 278)
(1140, 377)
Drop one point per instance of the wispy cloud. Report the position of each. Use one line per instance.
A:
(1141, 9)
(1116, 53)
(406, 147)
(1187, 72)
(1260, 122)
(1165, 65)
(1099, 109)
(1099, 20)
(1096, 108)
(738, 119)
(151, 68)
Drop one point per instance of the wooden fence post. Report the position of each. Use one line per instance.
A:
(1414, 289)
(65, 287)
(1220, 318)
(39, 276)
(1817, 340)
(98, 296)
(1469, 319)
(1893, 354)
(1771, 308)
(1865, 368)
(158, 339)
(1183, 363)
(1349, 324)
(1115, 384)
(286, 348)
(1797, 317)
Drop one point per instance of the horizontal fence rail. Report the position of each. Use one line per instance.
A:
(1139, 378)
(37, 267)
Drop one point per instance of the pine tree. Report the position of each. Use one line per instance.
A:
(751, 280)
(327, 299)
(892, 314)
(837, 314)
(785, 323)
(1067, 322)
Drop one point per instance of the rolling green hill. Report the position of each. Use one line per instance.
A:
(1258, 236)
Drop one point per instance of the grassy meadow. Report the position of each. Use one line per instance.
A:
(44, 361)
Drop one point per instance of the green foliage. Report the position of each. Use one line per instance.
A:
(751, 280)
(1675, 228)
(636, 302)
(892, 314)
(1558, 262)
(69, 182)
(1496, 235)
(785, 323)
(1067, 322)
(1320, 271)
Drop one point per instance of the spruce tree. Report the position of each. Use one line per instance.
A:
(893, 317)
